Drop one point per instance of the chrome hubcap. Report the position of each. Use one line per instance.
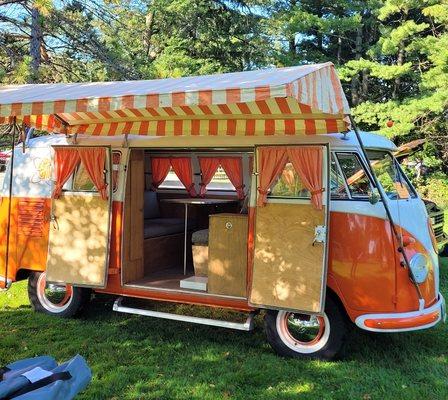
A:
(303, 333)
(55, 297)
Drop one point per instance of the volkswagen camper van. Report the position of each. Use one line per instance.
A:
(243, 191)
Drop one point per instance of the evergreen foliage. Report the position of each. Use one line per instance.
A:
(392, 55)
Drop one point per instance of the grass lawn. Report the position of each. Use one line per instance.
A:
(143, 358)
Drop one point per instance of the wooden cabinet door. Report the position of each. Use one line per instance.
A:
(289, 268)
(227, 267)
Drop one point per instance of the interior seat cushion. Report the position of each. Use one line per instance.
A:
(200, 237)
(151, 205)
(165, 226)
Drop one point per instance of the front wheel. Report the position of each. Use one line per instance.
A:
(307, 336)
(58, 299)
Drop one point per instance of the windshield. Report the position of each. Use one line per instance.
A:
(390, 175)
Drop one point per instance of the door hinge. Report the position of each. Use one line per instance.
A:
(320, 234)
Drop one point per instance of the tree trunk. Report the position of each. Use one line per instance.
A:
(292, 40)
(397, 81)
(149, 22)
(339, 50)
(35, 45)
(355, 84)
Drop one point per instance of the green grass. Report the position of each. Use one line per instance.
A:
(143, 358)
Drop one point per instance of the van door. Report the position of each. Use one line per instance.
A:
(290, 238)
(79, 231)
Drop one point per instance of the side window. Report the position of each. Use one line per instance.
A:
(171, 181)
(82, 181)
(289, 185)
(220, 181)
(390, 176)
(357, 180)
(337, 182)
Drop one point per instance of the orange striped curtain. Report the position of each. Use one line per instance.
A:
(65, 162)
(307, 162)
(208, 165)
(94, 160)
(272, 161)
(233, 167)
(159, 169)
(182, 168)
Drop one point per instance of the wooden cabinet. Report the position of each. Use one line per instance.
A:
(227, 267)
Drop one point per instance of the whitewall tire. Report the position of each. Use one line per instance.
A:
(55, 299)
(309, 336)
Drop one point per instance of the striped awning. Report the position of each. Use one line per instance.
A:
(288, 101)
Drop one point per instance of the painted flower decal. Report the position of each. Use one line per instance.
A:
(43, 170)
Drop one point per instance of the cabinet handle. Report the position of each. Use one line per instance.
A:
(229, 225)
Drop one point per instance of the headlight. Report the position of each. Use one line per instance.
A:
(419, 267)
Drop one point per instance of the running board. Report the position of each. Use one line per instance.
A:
(246, 326)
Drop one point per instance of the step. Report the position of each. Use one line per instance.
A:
(241, 326)
(195, 283)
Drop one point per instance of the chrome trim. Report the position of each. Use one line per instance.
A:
(438, 306)
(245, 326)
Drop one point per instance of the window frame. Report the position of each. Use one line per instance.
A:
(366, 171)
(334, 157)
(412, 193)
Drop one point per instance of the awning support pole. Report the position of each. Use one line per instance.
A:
(125, 142)
(13, 129)
(387, 209)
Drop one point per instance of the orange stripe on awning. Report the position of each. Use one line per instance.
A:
(144, 127)
(213, 127)
(205, 97)
(310, 127)
(282, 103)
(269, 127)
(231, 127)
(178, 99)
(104, 104)
(127, 101)
(262, 92)
(81, 105)
(233, 95)
(161, 128)
(152, 101)
(195, 127)
(250, 127)
(178, 127)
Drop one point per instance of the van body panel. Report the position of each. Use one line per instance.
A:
(364, 268)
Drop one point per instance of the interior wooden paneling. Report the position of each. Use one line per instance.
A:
(227, 268)
(133, 219)
(288, 270)
(165, 252)
(78, 241)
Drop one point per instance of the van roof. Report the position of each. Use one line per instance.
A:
(336, 140)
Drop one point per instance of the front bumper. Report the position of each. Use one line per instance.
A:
(403, 322)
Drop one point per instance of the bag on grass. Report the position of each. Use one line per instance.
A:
(10, 379)
(61, 382)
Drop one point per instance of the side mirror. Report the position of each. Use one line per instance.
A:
(374, 196)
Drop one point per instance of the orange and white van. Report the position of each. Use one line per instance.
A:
(242, 191)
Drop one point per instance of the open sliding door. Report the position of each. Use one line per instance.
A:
(80, 218)
(291, 228)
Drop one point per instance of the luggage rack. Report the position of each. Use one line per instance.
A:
(248, 325)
